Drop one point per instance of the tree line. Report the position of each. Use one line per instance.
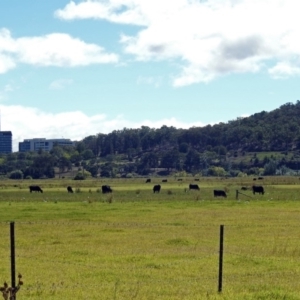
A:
(225, 149)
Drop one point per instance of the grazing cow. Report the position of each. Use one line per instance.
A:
(156, 188)
(148, 180)
(196, 179)
(106, 189)
(164, 180)
(244, 188)
(260, 178)
(69, 189)
(254, 178)
(194, 187)
(258, 189)
(35, 188)
(179, 179)
(220, 193)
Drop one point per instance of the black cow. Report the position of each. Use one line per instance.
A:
(196, 179)
(35, 188)
(148, 180)
(164, 180)
(179, 179)
(244, 188)
(69, 189)
(194, 187)
(106, 189)
(156, 188)
(258, 189)
(220, 193)
(260, 178)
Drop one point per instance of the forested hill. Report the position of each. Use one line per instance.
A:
(266, 143)
(277, 130)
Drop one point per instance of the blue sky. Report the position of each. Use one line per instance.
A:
(77, 68)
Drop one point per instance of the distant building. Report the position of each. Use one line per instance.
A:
(5, 142)
(43, 144)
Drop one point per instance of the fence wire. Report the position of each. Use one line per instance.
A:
(61, 256)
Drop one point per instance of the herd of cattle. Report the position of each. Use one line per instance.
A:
(156, 189)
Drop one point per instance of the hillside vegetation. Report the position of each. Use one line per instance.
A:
(266, 143)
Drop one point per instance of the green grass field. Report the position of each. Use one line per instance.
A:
(134, 244)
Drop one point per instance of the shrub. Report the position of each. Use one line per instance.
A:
(16, 174)
(82, 175)
(79, 176)
(110, 199)
(10, 292)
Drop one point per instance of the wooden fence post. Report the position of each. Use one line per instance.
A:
(221, 259)
(12, 256)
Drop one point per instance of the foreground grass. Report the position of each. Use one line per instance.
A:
(136, 245)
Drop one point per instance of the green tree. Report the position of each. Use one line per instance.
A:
(42, 166)
(93, 169)
(149, 160)
(64, 164)
(171, 160)
(192, 161)
(270, 168)
(87, 154)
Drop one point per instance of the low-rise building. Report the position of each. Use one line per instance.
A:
(43, 144)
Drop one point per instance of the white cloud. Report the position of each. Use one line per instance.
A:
(59, 49)
(8, 88)
(28, 122)
(126, 12)
(284, 70)
(154, 81)
(245, 115)
(6, 63)
(56, 49)
(209, 38)
(60, 84)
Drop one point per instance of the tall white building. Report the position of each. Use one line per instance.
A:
(42, 144)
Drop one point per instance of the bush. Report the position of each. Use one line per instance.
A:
(110, 199)
(82, 175)
(17, 174)
(10, 292)
(79, 176)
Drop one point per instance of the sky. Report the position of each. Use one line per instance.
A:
(71, 69)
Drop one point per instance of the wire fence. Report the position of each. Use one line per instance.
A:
(162, 261)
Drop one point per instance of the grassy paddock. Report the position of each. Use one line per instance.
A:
(134, 244)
